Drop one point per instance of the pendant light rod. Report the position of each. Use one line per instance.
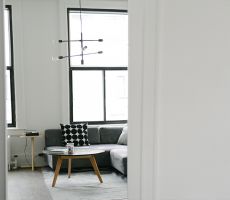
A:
(82, 46)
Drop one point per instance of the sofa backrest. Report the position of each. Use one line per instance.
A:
(96, 135)
(110, 135)
(93, 135)
(53, 137)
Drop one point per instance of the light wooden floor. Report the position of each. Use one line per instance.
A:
(24, 184)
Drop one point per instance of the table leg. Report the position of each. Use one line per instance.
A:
(69, 167)
(57, 170)
(32, 152)
(95, 167)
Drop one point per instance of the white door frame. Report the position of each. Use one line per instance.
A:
(3, 157)
(142, 147)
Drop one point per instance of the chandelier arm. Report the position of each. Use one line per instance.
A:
(98, 52)
(98, 40)
(84, 54)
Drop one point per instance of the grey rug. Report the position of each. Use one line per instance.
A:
(86, 186)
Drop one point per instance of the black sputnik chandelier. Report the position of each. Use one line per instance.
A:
(81, 41)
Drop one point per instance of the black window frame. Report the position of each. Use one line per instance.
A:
(103, 69)
(11, 70)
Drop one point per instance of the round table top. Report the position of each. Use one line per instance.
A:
(78, 151)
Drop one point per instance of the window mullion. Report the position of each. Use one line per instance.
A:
(104, 89)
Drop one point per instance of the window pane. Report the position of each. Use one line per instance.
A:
(111, 27)
(8, 99)
(7, 37)
(88, 96)
(116, 95)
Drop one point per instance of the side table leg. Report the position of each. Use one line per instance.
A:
(69, 167)
(95, 167)
(32, 152)
(57, 170)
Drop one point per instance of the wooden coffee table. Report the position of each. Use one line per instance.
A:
(86, 153)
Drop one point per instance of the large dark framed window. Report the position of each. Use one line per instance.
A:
(9, 61)
(99, 88)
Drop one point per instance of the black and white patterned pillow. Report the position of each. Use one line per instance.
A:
(75, 133)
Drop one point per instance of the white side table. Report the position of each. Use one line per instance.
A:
(32, 146)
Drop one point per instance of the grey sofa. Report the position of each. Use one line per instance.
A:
(100, 137)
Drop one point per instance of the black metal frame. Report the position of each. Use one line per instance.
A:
(103, 69)
(11, 70)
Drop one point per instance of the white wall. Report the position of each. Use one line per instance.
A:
(193, 100)
(191, 97)
(37, 77)
(3, 188)
(42, 85)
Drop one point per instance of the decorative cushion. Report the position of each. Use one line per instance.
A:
(124, 136)
(75, 133)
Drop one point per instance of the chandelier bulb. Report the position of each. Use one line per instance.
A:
(60, 57)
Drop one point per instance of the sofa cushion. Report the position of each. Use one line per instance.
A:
(110, 135)
(93, 134)
(53, 137)
(119, 159)
(123, 137)
(75, 133)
